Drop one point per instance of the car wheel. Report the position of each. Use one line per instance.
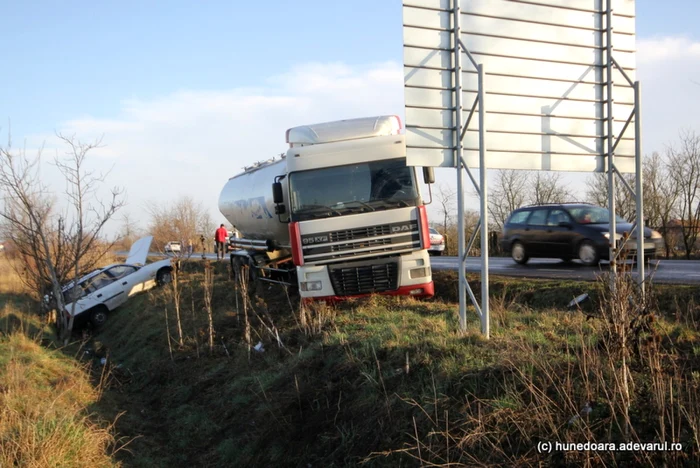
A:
(164, 276)
(517, 252)
(98, 317)
(587, 253)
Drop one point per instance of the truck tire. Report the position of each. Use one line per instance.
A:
(98, 316)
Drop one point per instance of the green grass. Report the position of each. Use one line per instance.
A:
(380, 381)
(44, 403)
(348, 391)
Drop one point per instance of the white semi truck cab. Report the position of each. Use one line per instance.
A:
(340, 213)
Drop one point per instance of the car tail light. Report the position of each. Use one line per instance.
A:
(424, 231)
(295, 239)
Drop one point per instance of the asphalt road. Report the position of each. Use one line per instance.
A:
(660, 271)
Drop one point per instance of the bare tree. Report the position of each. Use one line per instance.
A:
(684, 167)
(54, 247)
(547, 187)
(446, 199)
(661, 192)
(509, 192)
(90, 214)
(129, 231)
(183, 220)
(597, 193)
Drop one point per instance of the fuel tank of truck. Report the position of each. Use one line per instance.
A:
(246, 202)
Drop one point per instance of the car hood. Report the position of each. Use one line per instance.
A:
(139, 251)
(621, 228)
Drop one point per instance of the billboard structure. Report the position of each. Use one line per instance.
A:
(560, 97)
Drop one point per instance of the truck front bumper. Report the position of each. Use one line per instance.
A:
(408, 274)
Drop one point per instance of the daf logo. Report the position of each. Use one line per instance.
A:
(403, 228)
(314, 239)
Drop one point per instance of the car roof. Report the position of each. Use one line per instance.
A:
(549, 205)
(95, 273)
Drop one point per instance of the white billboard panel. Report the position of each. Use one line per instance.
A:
(545, 83)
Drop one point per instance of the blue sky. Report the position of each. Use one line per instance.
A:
(87, 57)
(180, 86)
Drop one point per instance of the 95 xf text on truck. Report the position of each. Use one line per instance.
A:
(340, 213)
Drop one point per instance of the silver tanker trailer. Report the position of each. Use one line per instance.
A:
(340, 214)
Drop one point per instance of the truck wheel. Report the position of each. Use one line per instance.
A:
(235, 267)
(98, 316)
(164, 276)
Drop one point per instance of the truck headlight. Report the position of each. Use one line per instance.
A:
(419, 272)
(311, 285)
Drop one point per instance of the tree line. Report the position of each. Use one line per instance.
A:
(671, 190)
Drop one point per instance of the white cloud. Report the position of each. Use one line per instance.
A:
(191, 142)
(669, 72)
(663, 49)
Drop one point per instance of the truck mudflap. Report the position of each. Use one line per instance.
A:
(414, 290)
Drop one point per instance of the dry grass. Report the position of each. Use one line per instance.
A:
(44, 396)
(624, 379)
(10, 282)
(43, 409)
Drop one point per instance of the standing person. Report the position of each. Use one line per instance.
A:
(190, 247)
(220, 237)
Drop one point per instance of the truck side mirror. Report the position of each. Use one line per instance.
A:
(277, 193)
(428, 175)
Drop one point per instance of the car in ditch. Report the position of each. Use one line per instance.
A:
(103, 290)
(571, 231)
(437, 242)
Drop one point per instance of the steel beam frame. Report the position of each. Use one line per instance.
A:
(481, 188)
(613, 174)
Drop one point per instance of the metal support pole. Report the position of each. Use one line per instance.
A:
(639, 188)
(485, 325)
(462, 287)
(610, 139)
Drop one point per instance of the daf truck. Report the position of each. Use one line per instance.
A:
(339, 214)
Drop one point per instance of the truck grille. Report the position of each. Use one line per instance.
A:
(366, 242)
(360, 233)
(351, 280)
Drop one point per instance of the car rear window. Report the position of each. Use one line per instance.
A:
(518, 217)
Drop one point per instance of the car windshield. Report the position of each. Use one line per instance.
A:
(354, 188)
(592, 215)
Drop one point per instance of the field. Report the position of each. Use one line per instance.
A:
(392, 381)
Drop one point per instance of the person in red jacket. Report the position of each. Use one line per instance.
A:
(220, 237)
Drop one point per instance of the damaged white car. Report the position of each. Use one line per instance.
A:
(101, 291)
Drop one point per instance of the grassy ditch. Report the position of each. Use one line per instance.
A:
(393, 382)
(45, 400)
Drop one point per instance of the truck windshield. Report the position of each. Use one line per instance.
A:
(351, 189)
